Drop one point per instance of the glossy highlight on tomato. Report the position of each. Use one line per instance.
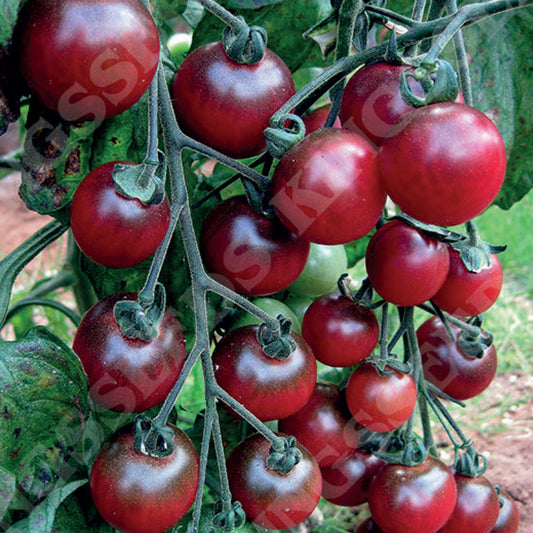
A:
(88, 60)
(405, 266)
(268, 387)
(124, 374)
(271, 499)
(323, 425)
(111, 229)
(458, 170)
(249, 253)
(327, 188)
(136, 493)
(227, 105)
(418, 499)
(380, 402)
(447, 366)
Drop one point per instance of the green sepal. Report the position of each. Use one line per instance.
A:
(283, 459)
(150, 438)
(470, 463)
(280, 138)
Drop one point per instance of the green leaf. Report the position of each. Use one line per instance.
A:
(9, 10)
(502, 77)
(7, 491)
(43, 402)
(249, 4)
(42, 517)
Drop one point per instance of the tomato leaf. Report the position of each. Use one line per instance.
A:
(502, 74)
(43, 401)
(7, 491)
(42, 517)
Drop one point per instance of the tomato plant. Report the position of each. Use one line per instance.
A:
(111, 229)
(87, 60)
(214, 96)
(128, 374)
(136, 493)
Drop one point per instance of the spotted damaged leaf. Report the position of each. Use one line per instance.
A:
(43, 408)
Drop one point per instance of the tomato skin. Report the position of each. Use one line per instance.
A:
(340, 332)
(459, 168)
(327, 189)
(418, 499)
(250, 254)
(347, 481)
(508, 517)
(111, 229)
(128, 375)
(466, 293)
(228, 105)
(88, 60)
(268, 387)
(448, 368)
(315, 119)
(380, 403)
(136, 493)
(271, 499)
(477, 506)
(368, 526)
(323, 425)
(405, 266)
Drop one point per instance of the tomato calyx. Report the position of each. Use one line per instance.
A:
(284, 455)
(363, 296)
(281, 136)
(473, 341)
(469, 462)
(246, 44)
(405, 448)
(228, 520)
(437, 232)
(144, 182)
(277, 343)
(151, 438)
(438, 80)
(140, 318)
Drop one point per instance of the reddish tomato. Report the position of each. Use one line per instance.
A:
(368, 526)
(380, 403)
(417, 499)
(315, 119)
(251, 254)
(508, 518)
(111, 229)
(459, 165)
(372, 103)
(88, 60)
(477, 506)
(271, 499)
(227, 105)
(347, 481)
(128, 375)
(340, 332)
(405, 266)
(327, 189)
(323, 425)
(136, 493)
(448, 368)
(466, 293)
(268, 387)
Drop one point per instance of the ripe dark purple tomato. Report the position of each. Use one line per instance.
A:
(136, 493)
(347, 481)
(88, 60)
(446, 365)
(466, 293)
(268, 387)
(111, 229)
(508, 518)
(315, 119)
(417, 499)
(477, 506)
(323, 425)
(458, 169)
(340, 332)
(368, 526)
(227, 105)
(405, 266)
(271, 499)
(128, 375)
(250, 254)
(327, 189)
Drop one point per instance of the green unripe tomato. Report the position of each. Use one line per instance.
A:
(274, 308)
(324, 266)
(178, 45)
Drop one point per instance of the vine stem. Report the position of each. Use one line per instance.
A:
(224, 15)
